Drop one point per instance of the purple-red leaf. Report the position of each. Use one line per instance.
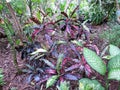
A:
(70, 77)
(68, 29)
(75, 27)
(50, 71)
(72, 67)
(87, 69)
(48, 38)
(65, 61)
(35, 32)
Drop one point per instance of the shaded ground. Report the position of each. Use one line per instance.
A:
(12, 80)
(19, 81)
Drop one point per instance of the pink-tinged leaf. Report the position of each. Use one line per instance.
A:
(50, 30)
(70, 77)
(65, 61)
(83, 60)
(94, 47)
(61, 79)
(35, 32)
(75, 50)
(72, 33)
(50, 71)
(88, 69)
(65, 14)
(76, 60)
(75, 27)
(75, 66)
(48, 38)
(97, 50)
(68, 29)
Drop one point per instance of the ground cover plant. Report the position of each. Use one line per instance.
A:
(112, 35)
(56, 46)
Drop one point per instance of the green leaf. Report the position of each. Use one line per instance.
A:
(51, 81)
(83, 82)
(48, 63)
(39, 51)
(114, 62)
(59, 61)
(94, 61)
(61, 42)
(114, 50)
(114, 74)
(87, 84)
(18, 42)
(63, 86)
(1, 7)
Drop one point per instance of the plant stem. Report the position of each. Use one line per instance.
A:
(15, 59)
(107, 83)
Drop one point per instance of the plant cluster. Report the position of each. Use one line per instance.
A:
(63, 55)
(58, 50)
(100, 11)
(57, 57)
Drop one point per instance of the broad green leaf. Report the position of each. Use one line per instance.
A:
(114, 74)
(83, 82)
(94, 61)
(114, 62)
(63, 86)
(87, 84)
(113, 50)
(1, 7)
(51, 81)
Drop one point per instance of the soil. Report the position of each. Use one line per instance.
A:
(13, 81)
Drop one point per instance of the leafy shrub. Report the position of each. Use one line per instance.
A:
(87, 84)
(1, 78)
(100, 12)
(112, 35)
(114, 63)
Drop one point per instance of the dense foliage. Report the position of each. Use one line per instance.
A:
(53, 38)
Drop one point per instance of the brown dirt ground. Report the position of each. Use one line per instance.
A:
(12, 80)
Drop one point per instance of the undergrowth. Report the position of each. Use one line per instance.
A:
(112, 35)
